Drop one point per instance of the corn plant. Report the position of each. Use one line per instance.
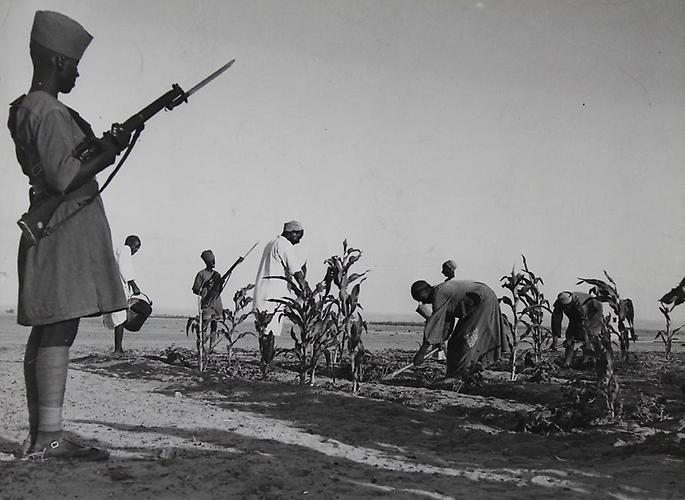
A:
(527, 303)
(676, 296)
(344, 306)
(606, 380)
(313, 331)
(267, 349)
(356, 351)
(666, 335)
(207, 339)
(234, 317)
(622, 309)
(216, 329)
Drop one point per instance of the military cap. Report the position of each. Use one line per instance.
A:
(60, 34)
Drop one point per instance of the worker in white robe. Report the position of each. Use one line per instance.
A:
(127, 273)
(279, 259)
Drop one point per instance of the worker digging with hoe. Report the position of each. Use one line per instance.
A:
(585, 322)
(466, 314)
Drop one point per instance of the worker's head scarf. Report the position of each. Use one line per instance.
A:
(293, 225)
(450, 264)
(565, 298)
(418, 287)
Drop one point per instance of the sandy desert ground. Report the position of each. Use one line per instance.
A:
(176, 433)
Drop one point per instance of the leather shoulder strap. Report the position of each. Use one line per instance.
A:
(12, 118)
(82, 124)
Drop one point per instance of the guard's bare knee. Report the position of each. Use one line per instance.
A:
(60, 334)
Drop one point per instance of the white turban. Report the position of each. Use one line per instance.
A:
(293, 225)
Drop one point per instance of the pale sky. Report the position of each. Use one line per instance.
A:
(418, 130)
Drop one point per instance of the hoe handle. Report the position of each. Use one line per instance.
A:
(404, 369)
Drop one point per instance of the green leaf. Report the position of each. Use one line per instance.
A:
(506, 300)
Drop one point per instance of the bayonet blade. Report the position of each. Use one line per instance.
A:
(209, 78)
(253, 246)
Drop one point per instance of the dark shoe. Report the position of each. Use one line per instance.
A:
(68, 450)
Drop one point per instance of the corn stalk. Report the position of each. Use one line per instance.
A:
(205, 342)
(666, 335)
(356, 351)
(608, 294)
(344, 307)
(536, 334)
(606, 379)
(267, 349)
(313, 331)
(526, 303)
(234, 317)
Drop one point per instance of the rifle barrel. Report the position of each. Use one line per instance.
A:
(165, 101)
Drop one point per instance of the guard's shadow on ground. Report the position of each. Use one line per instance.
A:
(255, 468)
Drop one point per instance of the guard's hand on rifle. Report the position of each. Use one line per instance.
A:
(119, 136)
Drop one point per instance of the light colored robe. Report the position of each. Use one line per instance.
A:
(478, 335)
(278, 259)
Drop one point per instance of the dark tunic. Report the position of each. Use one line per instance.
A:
(479, 335)
(585, 317)
(70, 273)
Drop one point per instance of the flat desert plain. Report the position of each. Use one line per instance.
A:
(176, 433)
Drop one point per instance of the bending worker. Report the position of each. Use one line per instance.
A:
(478, 335)
(585, 320)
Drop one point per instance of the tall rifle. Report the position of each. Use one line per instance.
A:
(215, 286)
(35, 223)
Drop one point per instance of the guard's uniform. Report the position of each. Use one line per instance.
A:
(70, 273)
(216, 308)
